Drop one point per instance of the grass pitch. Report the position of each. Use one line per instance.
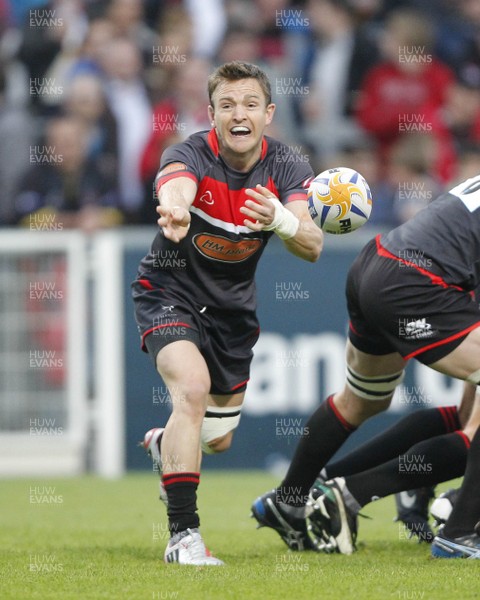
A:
(87, 539)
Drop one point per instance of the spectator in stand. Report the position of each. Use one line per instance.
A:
(64, 188)
(17, 132)
(468, 163)
(176, 117)
(85, 99)
(410, 175)
(100, 32)
(456, 124)
(129, 101)
(49, 46)
(127, 18)
(335, 57)
(394, 92)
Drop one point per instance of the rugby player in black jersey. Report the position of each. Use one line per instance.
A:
(410, 294)
(222, 194)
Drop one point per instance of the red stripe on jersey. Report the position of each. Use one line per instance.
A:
(435, 279)
(212, 140)
(219, 202)
(462, 333)
(161, 180)
(297, 196)
(145, 283)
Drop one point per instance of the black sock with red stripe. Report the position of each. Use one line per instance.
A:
(327, 431)
(415, 427)
(181, 491)
(427, 463)
(466, 512)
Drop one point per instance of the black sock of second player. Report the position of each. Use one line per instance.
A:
(327, 430)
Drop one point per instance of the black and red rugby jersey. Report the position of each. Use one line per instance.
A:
(215, 264)
(446, 232)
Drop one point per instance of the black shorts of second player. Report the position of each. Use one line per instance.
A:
(224, 338)
(397, 307)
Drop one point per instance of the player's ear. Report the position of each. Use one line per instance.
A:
(270, 111)
(211, 115)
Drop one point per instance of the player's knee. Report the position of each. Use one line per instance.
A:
(190, 399)
(217, 429)
(221, 444)
(355, 410)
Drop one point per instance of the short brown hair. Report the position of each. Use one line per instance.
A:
(236, 70)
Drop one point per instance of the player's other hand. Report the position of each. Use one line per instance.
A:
(260, 210)
(174, 221)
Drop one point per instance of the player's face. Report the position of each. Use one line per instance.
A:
(240, 113)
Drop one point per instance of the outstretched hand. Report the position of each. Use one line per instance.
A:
(260, 210)
(174, 221)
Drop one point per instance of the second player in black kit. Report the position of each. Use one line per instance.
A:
(410, 294)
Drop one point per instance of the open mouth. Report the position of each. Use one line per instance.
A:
(240, 131)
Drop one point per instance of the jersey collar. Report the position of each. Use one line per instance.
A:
(212, 140)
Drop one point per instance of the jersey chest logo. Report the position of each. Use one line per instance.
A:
(217, 247)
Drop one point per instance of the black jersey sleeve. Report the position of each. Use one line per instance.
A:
(292, 174)
(180, 160)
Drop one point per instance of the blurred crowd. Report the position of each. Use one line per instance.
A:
(92, 91)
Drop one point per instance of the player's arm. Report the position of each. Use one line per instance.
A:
(292, 223)
(175, 198)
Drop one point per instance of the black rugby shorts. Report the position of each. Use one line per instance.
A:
(225, 338)
(397, 306)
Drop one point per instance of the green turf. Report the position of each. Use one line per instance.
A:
(100, 539)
